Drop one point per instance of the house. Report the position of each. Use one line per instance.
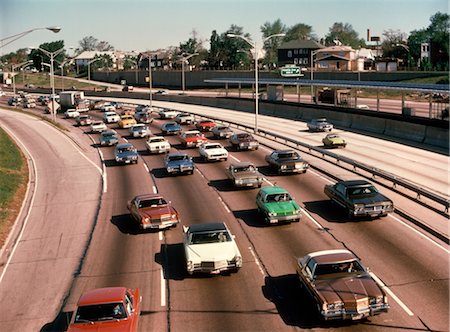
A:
(84, 58)
(365, 58)
(297, 52)
(335, 58)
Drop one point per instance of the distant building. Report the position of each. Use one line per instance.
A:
(335, 58)
(297, 52)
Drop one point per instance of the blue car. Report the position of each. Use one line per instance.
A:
(179, 163)
(170, 128)
(126, 153)
(109, 138)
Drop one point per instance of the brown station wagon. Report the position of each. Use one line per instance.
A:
(341, 286)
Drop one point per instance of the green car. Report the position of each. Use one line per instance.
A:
(109, 138)
(277, 205)
(333, 140)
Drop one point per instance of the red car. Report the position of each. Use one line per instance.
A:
(107, 309)
(205, 125)
(153, 211)
(192, 138)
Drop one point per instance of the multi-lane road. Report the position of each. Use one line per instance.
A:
(79, 186)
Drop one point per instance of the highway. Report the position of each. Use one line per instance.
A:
(265, 294)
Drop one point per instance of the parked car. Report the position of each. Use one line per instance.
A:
(192, 138)
(244, 174)
(71, 113)
(167, 113)
(139, 130)
(128, 88)
(287, 161)
(179, 163)
(213, 152)
(127, 121)
(340, 285)
(83, 120)
(319, 125)
(152, 211)
(170, 128)
(333, 140)
(111, 117)
(98, 126)
(276, 205)
(109, 138)
(157, 144)
(205, 125)
(210, 248)
(185, 118)
(221, 131)
(111, 309)
(359, 198)
(126, 153)
(244, 141)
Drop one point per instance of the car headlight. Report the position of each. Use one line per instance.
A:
(297, 211)
(283, 166)
(146, 220)
(358, 208)
(376, 300)
(238, 261)
(239, 181)
(190, 266)
(173, 216)
(272, 214)
(333, 306)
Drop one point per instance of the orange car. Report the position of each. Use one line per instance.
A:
(205, 125)
(153, 211)
(127, 121)
(107, 309)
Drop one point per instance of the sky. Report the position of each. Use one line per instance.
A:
(141, 25)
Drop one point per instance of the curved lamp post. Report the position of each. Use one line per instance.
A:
(149, 57)
(184, 59)
(23, 64)
(256, 51)
(12, 38)
(89, 67)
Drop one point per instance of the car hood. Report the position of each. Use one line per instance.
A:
(336, 140)
(152, 212)
(215, 150)
(212, 251)
(127, 154)
(370, 199)
(279, 207)
(348, 289)
(245, 175)
(110, 326)
(177, 163)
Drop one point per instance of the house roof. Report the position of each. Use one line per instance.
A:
(336, 49)
(300, 43)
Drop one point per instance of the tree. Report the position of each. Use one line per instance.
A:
(271, 45)
(104, 46)
(343, 34)
(299, 31)
(40, 57)
(393, 45)
(92, 44)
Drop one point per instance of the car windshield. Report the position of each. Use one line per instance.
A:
(244, 169)
(154, 202)
(288, 155)
(244, 136)
(171, 124)
(138, 128)
(283, 197)
(125, 149)
(108, 135)
(321, 120)
(361, 191)
(157, 140)
(175, 158)
(191, 134)
(100, 312)
(343, 267)
(210, 237)
(332, 136)
(213, 146)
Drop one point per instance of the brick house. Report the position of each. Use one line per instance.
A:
(297, 52)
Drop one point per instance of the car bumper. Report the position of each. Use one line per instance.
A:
(355, 315)
(159, 225)
(248, 183)
(127, 161)
(277, 219)
(159, 150)
(213, 267)
(180, 170)
(216, 158)
(248, 146)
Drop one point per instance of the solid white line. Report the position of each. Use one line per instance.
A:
(104, 174)
(320, 176)
(146, 168)
(155, 190)
(18, 240)
(396, 299)
(163, 289)
(160, 236)
(234, 158)
(419, 233)
(306, 213)
(223, 203)
(257, 261)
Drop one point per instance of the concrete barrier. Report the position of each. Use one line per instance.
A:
(368, 123)
(437, 137)
(409, 131)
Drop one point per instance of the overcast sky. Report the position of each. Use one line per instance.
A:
(152, 24)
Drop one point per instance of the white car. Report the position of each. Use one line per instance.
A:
(107, 108)
(157, 144)
(168, 113)
(210, 248)
(320, 124)
(139, 130)
(111, 117)
(98, 127)
(71, 113)
(213, 151)
(185, 118)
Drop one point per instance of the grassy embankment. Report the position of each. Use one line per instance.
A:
(13, 183)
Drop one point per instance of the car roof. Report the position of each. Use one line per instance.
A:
(332, 256)
(242, 164)
(220, 226)
(274, 190)
(147, 196)
(102, 295)
(177, 154)
(123, 145)
(352, 183)
(284, 151)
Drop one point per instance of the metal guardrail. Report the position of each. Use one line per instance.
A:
(396, 180)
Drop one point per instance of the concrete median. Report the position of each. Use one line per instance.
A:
(410, 131)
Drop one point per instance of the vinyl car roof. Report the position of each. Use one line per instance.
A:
(351, 183)
(102, 295)
(332, 256)
(220, 226)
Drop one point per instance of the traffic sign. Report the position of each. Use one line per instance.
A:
(290, 71)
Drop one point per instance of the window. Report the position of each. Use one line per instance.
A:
(289, 54)
(295, 51)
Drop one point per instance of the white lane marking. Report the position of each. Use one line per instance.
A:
(104, 174)
(396, 299)
(234, 158)
(146, 168)
(163, 289)
(155, 190)
(419, 233)
(322, 177)
(19, 238)
(160, 236)
(306, 213)
(257, 261)
(223, 203)
(125, 139)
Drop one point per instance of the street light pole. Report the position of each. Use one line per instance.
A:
(183, 77)
(54, 29)
(89, 67)
(149, 57)
(14, 76)
(312, 73)
(256, 51)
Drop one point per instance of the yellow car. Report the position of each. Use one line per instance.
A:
(127, 121)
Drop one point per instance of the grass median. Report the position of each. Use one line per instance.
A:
(13, 183)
